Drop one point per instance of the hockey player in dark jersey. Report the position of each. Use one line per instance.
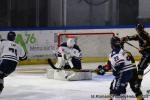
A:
(10, 53)
(122, 64)
(69, 55)
(144, 43)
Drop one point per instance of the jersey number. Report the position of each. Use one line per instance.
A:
(13, 50)
(116, 58)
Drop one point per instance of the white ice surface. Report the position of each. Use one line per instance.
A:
(21, 86)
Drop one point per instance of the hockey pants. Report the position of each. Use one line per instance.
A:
(143, 64)
(6, 68)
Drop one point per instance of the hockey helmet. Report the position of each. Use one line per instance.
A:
(139, 27)
(115, 42)
(11, 36)
(70, 42)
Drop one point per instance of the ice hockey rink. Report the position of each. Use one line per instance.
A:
(23, 85)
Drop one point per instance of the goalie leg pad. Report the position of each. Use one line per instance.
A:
(60, 62)
(50, 73)
(61, 74)
(80, 76)
(72, 76)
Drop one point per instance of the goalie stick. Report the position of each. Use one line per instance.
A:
(76, 70)
(51, 64)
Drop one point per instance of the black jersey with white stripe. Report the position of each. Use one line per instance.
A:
(144, 41)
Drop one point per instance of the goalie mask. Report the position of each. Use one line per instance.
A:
(70, 43)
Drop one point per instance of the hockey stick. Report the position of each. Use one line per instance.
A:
(51, 64)
(146, 72)
(76, 70)
(132, 45)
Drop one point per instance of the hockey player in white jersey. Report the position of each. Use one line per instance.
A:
(10, 53)
(124, 70)
(69, 57)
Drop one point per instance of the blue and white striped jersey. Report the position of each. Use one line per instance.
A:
(11, 51)
(120, 61)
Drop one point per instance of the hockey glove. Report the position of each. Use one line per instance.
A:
(100, 70)
(124, 39)
(23, 58)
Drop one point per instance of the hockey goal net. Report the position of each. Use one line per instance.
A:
(95, 47)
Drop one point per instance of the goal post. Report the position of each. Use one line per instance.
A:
(95, 47)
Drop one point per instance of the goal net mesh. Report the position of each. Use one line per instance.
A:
(95, 47)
